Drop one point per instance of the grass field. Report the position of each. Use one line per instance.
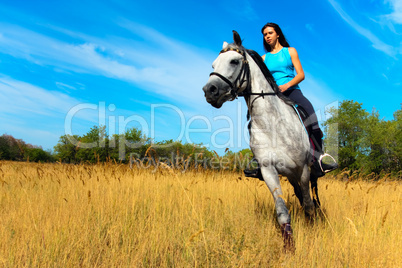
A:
(107, 215)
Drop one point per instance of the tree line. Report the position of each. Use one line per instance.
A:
(18, 150)
(362, 142)
(98, 146)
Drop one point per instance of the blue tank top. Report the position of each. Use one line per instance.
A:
(281, 67)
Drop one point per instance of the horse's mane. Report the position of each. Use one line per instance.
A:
(267, 74)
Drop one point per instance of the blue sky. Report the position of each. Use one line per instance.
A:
(66, 66)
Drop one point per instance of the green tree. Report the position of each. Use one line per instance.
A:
(11, 148)
(396, 142)
(239, 160)
(5, 153)
(351, 122)
(365, 141)
(380, 139)
(133, 141)
(94, 146)
(38, 155)
(66, 149)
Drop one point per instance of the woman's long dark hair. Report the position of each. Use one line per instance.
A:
(282, 39)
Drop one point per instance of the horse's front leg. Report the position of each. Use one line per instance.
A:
(271, 178)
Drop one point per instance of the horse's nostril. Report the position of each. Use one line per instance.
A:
(213, 89)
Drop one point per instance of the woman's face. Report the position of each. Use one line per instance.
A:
(270, 36)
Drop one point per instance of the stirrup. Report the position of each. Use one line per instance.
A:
(320, 161)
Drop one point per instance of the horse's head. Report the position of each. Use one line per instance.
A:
(230, 73)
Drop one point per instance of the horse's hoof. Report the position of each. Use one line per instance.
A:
(287, 236)
(309, 212)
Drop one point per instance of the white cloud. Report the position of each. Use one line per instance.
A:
(65, 87)
(376, 42)
(35, 114)
(158, 64)
(24, 99)
(396, 15)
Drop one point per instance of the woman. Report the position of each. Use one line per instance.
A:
(282, 60)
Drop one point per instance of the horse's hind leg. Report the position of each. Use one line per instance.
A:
(271, 178)
(308, 204)
(314, 188)
(296, 186)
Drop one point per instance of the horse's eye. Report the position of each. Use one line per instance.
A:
(234, 62)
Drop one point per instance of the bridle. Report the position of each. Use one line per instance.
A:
(242, 77)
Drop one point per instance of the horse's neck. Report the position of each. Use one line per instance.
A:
(268, 104)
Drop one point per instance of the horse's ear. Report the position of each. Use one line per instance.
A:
(225, 44)
(236, 38)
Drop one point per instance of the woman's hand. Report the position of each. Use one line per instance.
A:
(284, 87)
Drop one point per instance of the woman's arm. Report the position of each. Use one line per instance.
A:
(299, 71)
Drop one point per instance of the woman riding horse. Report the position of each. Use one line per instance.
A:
(278, 140)
(282, 60)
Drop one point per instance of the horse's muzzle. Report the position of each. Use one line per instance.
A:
(213, 94)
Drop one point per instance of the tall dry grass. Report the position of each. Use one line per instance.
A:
(106, 215)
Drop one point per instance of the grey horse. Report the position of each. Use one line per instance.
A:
(278, 139)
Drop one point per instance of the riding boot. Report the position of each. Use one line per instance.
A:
(319, 167)
(253, 173)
